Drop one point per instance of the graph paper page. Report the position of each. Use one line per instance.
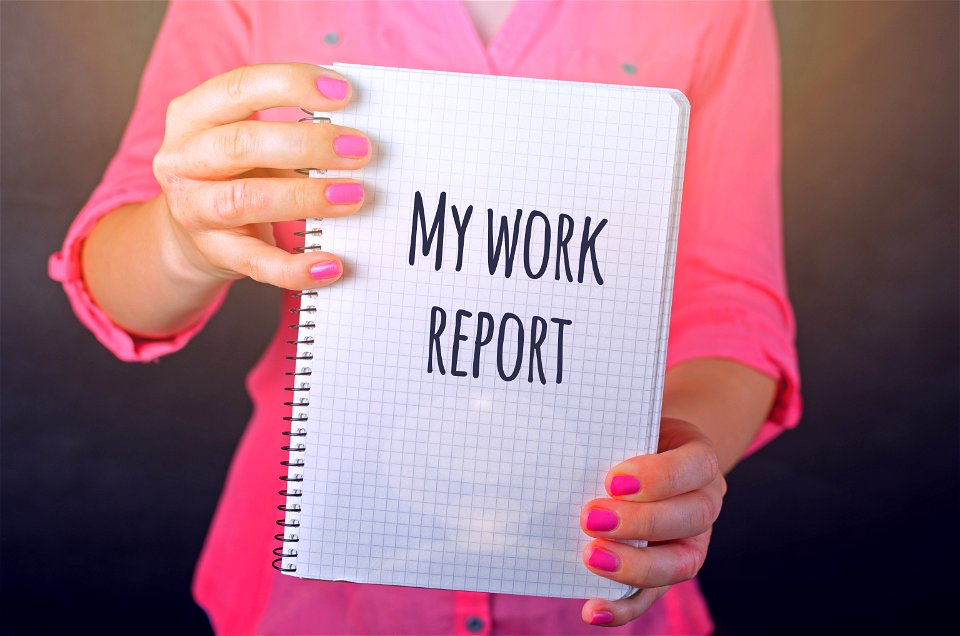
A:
(469, 480)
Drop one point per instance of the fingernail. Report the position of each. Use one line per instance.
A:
(332, 88)
(324, 270)
(601, 520)
(624, 485)
(351, 146)
(601, 618)
(343, 193)
(603, 560)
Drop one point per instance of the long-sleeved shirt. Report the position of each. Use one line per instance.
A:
(730, 297)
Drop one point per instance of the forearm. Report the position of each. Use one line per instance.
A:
(135, 272)
(727, 400)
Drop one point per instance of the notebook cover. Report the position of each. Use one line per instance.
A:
(498, 340)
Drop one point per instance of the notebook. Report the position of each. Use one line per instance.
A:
(498, 340)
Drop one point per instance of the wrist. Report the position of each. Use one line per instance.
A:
(727, 401)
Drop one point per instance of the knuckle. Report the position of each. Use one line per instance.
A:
(163, 166)
(716, 504)
(238, 141)
(255, 267)
(306, 141)
(689, 563)
(649, 525)
(711, 463)
(642, 572)
(304, 198)
(699, 558)
(234, 200)
(174, 110)
(237, 84)
(158, 165)
(702, 461)
(704, 514)
(261, 268)
(179, 204)
(673, 477)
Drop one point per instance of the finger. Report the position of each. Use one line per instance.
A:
(679, 517)
(226, 204)
(239, 93)
(652, 566)
(233, 149)
(689, 463)
(249, 256)
(614, 613)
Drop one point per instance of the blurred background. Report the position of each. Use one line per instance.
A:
(110, 472)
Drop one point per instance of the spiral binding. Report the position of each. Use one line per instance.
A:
(298, 405)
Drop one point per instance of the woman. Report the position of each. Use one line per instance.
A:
(198, 196)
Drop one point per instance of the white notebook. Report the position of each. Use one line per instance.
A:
(461, 392)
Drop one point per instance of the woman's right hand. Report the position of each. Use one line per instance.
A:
(226, 179)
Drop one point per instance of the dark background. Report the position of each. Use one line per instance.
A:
(110, 471)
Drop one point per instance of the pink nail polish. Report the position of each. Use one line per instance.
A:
(332, 88)
(344, 193)
(600, 520)
(601, 618)
(624, 485)
(324, 270)
(351, 146)
(603, 560)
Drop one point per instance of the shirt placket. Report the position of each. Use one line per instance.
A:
(472, 610)
(471, 613)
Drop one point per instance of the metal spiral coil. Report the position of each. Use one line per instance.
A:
(298, 405)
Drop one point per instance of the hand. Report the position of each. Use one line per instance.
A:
(226, 179)
(670, 499)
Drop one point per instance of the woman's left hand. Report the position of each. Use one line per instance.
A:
(670, 499)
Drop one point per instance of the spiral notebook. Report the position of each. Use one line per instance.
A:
(498, 340)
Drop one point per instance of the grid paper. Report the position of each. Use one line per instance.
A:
(429, 480)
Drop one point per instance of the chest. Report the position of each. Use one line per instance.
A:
(639, 43)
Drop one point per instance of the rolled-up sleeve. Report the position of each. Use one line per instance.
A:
(196, 41)
(730, 295)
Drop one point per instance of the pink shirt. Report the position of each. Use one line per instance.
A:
(730, 298)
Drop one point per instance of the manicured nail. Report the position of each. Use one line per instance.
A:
(601, 618)
(344, 193)
(332, 88)
(603, 560)
(600, 520)
(351, 146)
(324, 270)
(624, 485)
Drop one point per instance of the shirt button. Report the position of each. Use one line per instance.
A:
(474, 624)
